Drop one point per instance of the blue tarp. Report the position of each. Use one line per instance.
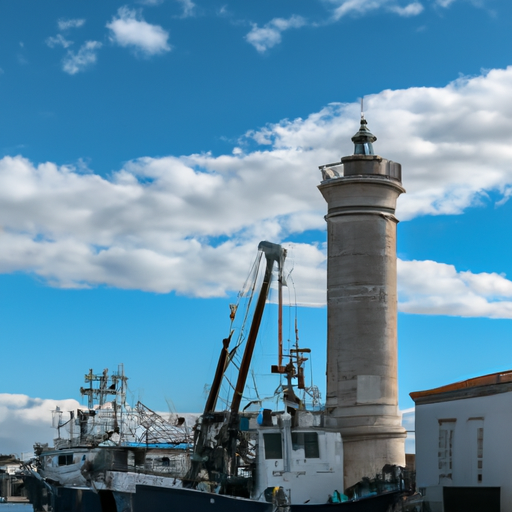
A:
(180, 446)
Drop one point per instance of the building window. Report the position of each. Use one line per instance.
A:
(307, 441)
(476, 445)
(445, 453)
(273, 446)
(479, 452)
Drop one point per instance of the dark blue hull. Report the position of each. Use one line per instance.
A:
(155, 499)
(161, 499)
(148, 498)
(75, 500)
(377, 503)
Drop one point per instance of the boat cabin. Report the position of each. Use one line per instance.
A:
(306, 460)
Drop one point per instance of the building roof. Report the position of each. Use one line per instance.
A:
(491, 384)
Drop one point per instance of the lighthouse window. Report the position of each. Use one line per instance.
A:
(273, 446)
(307, 441)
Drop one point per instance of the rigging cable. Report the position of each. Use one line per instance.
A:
(247, 291)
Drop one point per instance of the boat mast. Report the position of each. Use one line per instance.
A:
(117, 388)
(280, 321)
(279, 368)
(219, 374)
(273, 253)
(202, 456)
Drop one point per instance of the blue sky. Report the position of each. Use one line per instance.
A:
(147, 147)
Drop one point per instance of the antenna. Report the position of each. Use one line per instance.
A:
(362, 107)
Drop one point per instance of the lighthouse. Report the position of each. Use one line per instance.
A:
(361, 193)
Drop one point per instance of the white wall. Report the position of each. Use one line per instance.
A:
(496, 411)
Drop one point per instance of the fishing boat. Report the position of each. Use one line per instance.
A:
(107, 435)
(271, 460)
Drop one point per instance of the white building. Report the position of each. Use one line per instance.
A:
(464, 445)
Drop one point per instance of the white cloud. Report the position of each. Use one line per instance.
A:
(263, 38)
(453, 141)
(268, 36)
(192, 223)
(409, 423)
(223, 11)
(79, 61)
(431, 288)
(345, 7)
(447, 3)
(412, 9)
(58, 40)
(130, 29)
(66, 24)
(99, 231)
(362, 7)
(188, 8)
(25, 420)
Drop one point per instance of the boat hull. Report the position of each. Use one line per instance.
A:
(158, 499)
(188, 500)
(184, 500)
(377, 503)
(66, 499)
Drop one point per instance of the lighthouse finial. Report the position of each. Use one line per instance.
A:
(363, 139)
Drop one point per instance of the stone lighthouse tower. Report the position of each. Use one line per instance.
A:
(362, 404)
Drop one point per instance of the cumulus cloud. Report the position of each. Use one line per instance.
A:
(149, 227)
(191, 224)
(82, 59)
(58, 40)
(345, 7)
(25, 420)
(409, 10)
(188, 8)
(475, 3)
(268, 36)
(432, 288)
(66, 24)
(361, 7)
(129, 29)
(263, 38)
(452, 141)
